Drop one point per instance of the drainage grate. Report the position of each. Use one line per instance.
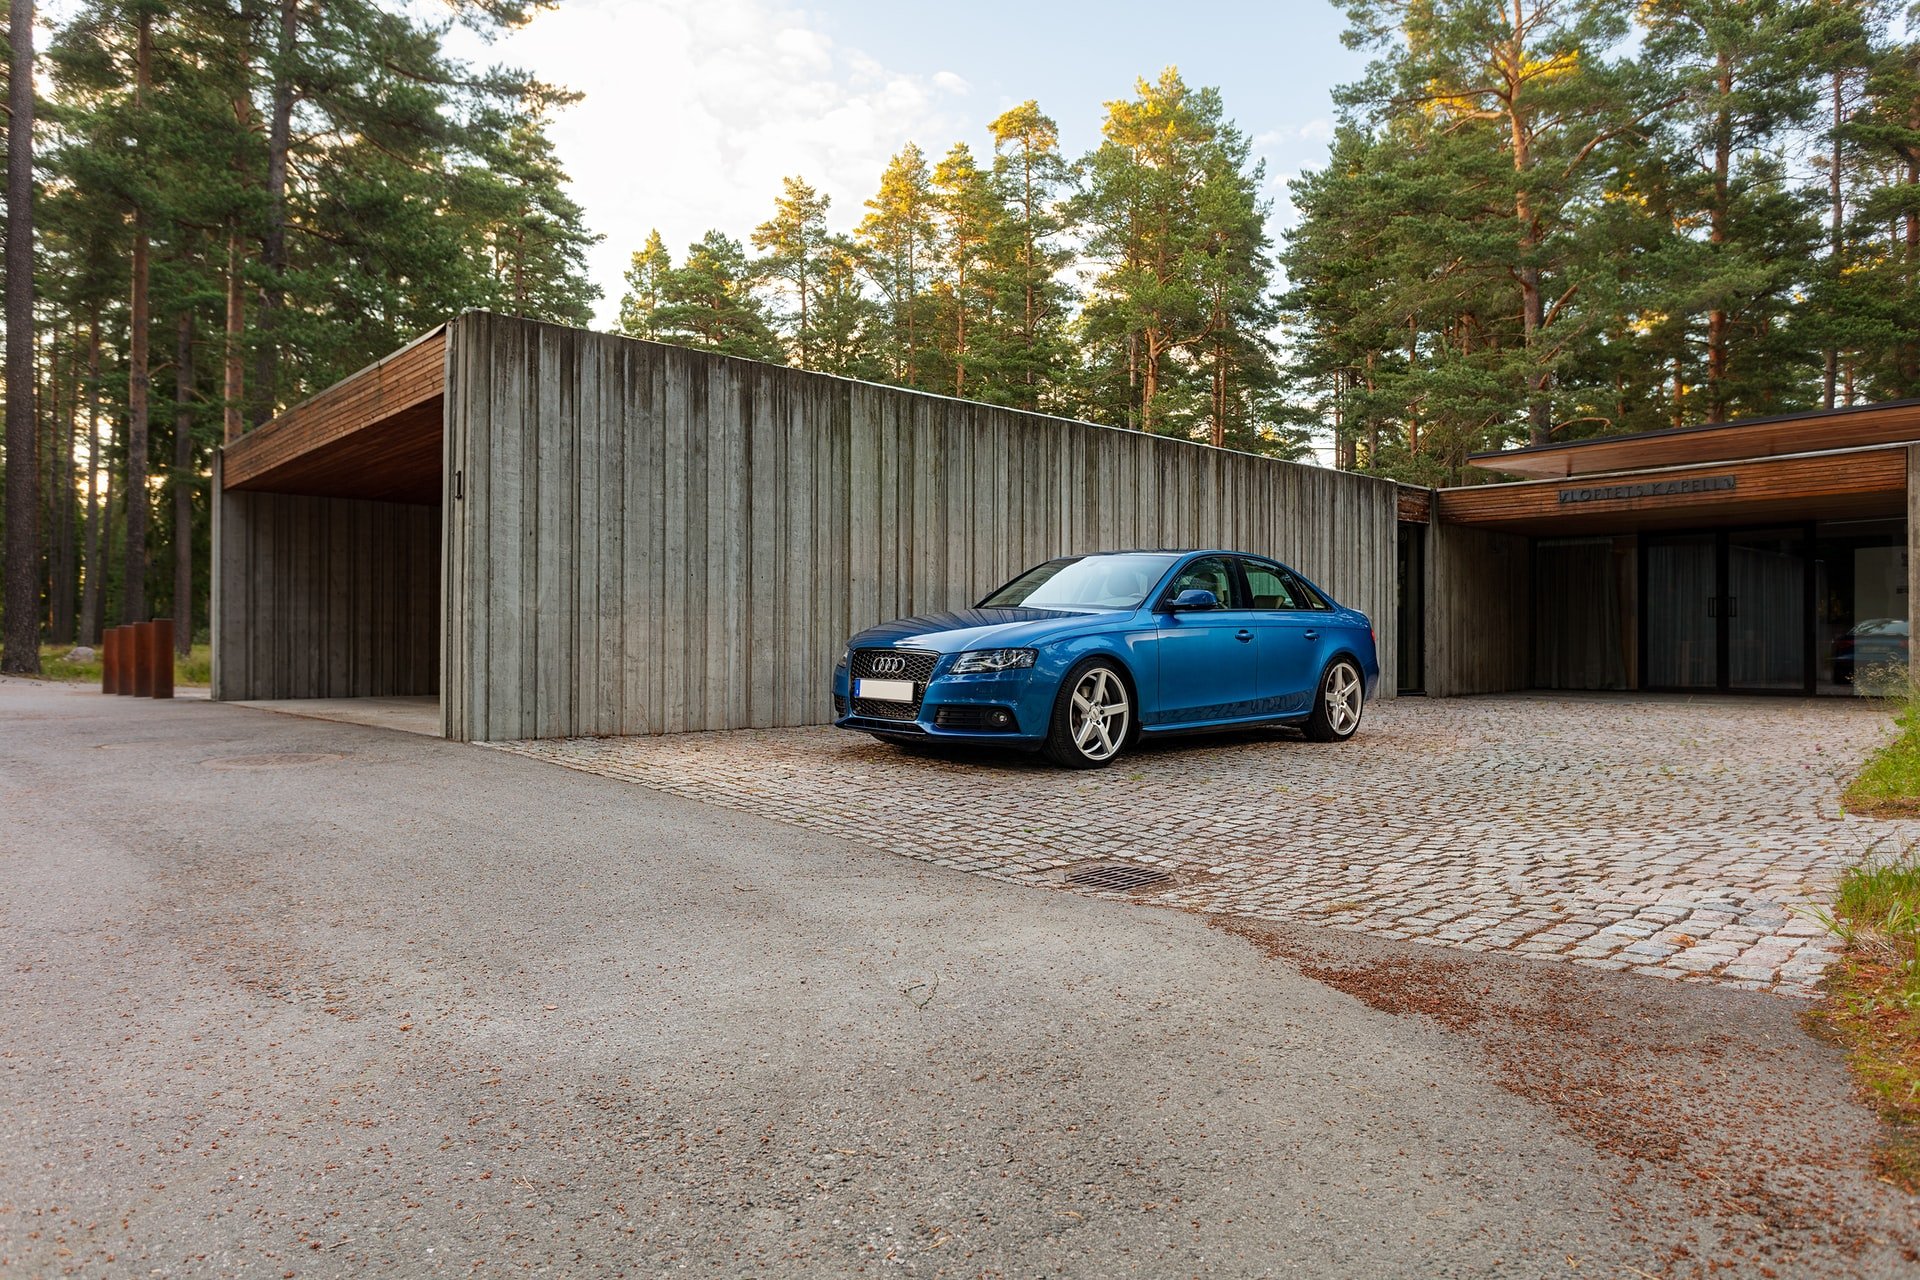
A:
(1120, 877)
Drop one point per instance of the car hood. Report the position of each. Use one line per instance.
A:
(994, 628)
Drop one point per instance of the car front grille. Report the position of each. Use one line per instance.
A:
(919, 669)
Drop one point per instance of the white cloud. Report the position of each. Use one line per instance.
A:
(695, 110)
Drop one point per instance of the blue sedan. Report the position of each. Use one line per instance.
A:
(1082, 656)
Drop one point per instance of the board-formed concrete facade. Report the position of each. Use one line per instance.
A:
(642, 539)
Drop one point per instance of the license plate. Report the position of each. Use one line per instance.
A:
(884, 690)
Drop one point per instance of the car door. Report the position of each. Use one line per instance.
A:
(1288, 638)
(1208, 658)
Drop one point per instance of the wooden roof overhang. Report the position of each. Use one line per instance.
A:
(377, 434)
(1890, 422)
(1832, 484)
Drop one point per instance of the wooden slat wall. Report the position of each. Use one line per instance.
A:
(655, 540)
(324, 597)
(1479, 611)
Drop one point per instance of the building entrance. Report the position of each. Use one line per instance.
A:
(1727, 611)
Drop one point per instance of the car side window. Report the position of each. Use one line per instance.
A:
(1269, 588)
(1208, 573)
(1308, 597)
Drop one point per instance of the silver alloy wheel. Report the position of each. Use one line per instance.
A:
(1099, 719)
(1343, 694)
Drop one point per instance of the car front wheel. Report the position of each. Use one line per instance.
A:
(1092, 717)
(1336, 710)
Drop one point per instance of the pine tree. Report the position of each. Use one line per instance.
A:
(796, 243)
(647, 276)
(1530, 83)
(964, 302)
(20, 637)
(1740, 75)
(898, 252)
(709, 303)
(846, 322)
(1030, 351)
(527, 235)
(1173, 220)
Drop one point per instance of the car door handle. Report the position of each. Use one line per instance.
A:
(1310, 634)
(1243, 635)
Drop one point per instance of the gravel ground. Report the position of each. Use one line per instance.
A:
(293, 998)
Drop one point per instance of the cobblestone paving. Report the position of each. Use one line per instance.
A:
(1682, 839)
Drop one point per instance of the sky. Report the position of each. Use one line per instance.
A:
(695, 109)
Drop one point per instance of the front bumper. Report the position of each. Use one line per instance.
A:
(961, 708)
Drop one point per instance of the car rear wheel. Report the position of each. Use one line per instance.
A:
(1092, 717)
(1337, 707)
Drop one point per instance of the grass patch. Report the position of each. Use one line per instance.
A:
(1889, 783)
(195, 671)
(1874, 1009)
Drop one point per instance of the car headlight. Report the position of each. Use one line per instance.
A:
(993, 660)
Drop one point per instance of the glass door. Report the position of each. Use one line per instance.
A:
(1764, 604)
(1682, 612)
(1727, 611)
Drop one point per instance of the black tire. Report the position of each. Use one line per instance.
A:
(1114, 734)
(1338, 702)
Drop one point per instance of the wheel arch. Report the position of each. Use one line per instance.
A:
(1116, 657)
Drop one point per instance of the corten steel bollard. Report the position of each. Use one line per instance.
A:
(107, 647)
(142, 659)
(123, 654)
(162, 657)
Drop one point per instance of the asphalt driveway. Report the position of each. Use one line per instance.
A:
(291, 998)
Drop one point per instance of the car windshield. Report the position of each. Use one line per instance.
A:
(1089, 582)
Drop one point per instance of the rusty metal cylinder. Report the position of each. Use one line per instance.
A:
(142, 659)
(162, 657)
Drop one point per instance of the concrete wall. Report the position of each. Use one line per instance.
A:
(1479, 611)
(650, 540)
(324, 597)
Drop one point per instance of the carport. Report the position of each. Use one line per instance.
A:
(327, 548)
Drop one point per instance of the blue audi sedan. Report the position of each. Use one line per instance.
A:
(1082, 656)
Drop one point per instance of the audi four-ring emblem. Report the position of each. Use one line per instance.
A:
(889, 664)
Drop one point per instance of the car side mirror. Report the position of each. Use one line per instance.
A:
(1192, 600)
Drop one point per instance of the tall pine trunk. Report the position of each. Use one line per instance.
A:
(60, 602)
(20, 639)
(1836, 245)
(93, 561)
(1717, 325)
(133, 585)
(273, 244)
(233, 380)
(183, 484)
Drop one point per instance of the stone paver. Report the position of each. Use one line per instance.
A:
(1694, 840)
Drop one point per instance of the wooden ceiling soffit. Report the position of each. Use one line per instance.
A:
(1855, 482)
(376, 434)
(1896, 422)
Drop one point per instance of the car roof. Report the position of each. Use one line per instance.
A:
(1161, 551)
